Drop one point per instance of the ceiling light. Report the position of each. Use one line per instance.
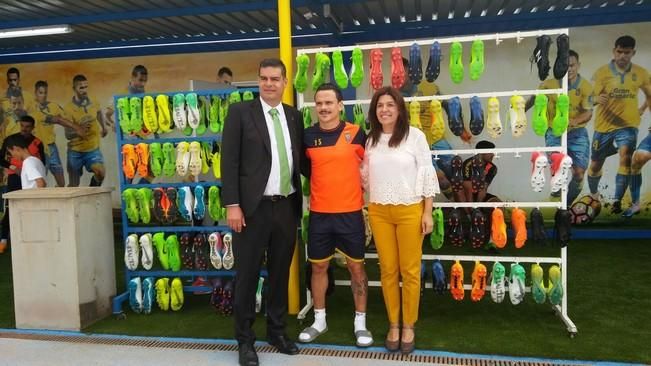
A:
(36, 31)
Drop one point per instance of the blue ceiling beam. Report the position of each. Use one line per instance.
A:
(165, 13)
(494, 24)
(310, 38)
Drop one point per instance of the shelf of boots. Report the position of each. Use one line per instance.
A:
(134, 141)
(177, 228)
(217, 183)
(187, 273)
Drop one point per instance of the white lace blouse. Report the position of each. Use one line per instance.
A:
(399, 175)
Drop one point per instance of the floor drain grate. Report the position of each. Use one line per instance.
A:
(307, 351)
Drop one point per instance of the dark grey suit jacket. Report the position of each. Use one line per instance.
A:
(246, 155)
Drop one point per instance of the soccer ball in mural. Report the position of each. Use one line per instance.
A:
(585, 210)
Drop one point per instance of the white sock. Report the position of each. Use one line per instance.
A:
(360, 324)
(319, 323)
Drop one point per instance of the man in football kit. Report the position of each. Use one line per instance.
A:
(83, 151)
(579, 91)
(336, 202)
(47, 114)
(14, 87)
(616, 86)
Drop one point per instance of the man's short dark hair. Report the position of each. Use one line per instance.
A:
(77, 79)
(139, 70)
(273, 62)
(625, 42)
(330, 86)
(573, 53)
(13, 70)
(225, 70)
(27, 118)
(16, 140)
(40, 84)
(483, 144)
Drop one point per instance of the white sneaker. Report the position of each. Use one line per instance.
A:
(215, 242)
(258, 295)
(147, 249)
(186, 202)
(517, 116)
(228, 260)
(195, 158)
(179, 116)
(493, 122)
(182, 158)
(131, 252)
(540, 163)
(192, 107)
(516, 285)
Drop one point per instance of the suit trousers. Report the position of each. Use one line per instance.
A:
(399, 241)
(271, 229)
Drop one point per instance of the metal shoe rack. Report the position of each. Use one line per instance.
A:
(562, 309)
(128, 228)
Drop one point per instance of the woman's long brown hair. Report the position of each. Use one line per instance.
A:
(401, 129)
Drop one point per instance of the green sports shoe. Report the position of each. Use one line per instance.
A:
(206, 148)
(173, 252)
(163, 293)
(213, 115)
(305, 186)
(214, 203)
(476, 59)
(437, 237)
(161, 249)
(307, 117)
(538, 289)
(320, 70)
(156, 158)
(357, 69)
(342, 115)
(305, 224)
(135, 106)
(223, 112)
(204, 105)
(145, 199)
(561, 119)
(358, 116)
(169, 162)
(456, 63)
(149, 116)
(123, 115)
(247, 95)
(540, 123)
(555, 290)
(300, 80)
(234, 97)
(340, 72)
(131, 204)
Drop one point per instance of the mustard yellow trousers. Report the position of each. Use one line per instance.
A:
(398, 238)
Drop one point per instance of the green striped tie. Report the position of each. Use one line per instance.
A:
(285, 178)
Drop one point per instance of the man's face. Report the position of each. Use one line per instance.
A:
(26, 128)
(139, 81)
(13, 80)
(14, 152)
(272, 84)
(225, 78)
(17, 104)
(328, 107)
(623, 56)
(573, 69)
(81, 89)
(41, 94)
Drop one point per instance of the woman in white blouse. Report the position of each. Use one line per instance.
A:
(401, 181)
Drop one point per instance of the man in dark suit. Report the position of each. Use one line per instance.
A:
(261, 192)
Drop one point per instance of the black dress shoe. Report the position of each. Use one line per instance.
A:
(248, 357)
(283, 344)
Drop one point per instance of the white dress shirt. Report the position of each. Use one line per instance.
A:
(273, 184)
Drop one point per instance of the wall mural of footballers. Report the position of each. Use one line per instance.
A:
(609, 137)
